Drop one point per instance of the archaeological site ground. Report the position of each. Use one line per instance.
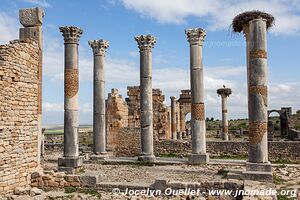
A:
(146, 142)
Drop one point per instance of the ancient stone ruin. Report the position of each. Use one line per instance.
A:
(132, 137)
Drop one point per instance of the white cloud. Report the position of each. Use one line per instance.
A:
(218, 14)
(53, 107)
(8, 27)
(42, 3)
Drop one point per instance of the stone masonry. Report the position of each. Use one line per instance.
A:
(161, 121)
(116, 118)
(18, 113)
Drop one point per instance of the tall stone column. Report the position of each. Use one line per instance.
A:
(198, 127)
(71, 157)
(258, 92)
(257, 167)
(173, 118)
(32, 20)
(99, 131)
(224, 93)
(145, 44)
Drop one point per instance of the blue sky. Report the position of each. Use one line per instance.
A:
(118, 21)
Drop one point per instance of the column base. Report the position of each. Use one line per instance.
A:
(196, 159)
(146, 158)
(259, 167)
(258, 172)
(73, 162)
(101, 156)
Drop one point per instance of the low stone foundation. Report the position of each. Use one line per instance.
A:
(49, 180)
(128, 146)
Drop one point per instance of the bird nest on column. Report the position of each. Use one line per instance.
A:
(225, 91)
(243, 19)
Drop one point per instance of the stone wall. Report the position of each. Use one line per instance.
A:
(128, 144)
(116, 117)
(161, 122)
(18, 113)
(51, 180)
(278, 150)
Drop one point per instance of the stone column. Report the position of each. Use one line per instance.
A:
(254, 24)
(224, 93)
(258, 92)
(32, 20)
(145, 44)
(71, 157)
(173, 118)
(99, 131)
(196, 38)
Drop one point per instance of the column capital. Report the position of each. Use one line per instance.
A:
(145, 42)
(173, 98)
(99, 47)
(195, 36)
(71, 34)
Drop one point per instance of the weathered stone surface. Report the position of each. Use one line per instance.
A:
(196, 38)
(18, 113)
(35, 191)
(99, 125)
(31, 16)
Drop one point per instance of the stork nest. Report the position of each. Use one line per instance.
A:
(225, 91)
(242, 19)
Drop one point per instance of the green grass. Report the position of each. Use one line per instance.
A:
(91, 192)
(278, 180)
(54, 132)
(283, 161)
(169, 155)
(233, 157)
(70, 189)
(223, 172)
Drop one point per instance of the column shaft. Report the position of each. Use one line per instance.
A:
(173, 118)
(71, 121)
(99, 133)
(258, 92)
(146, 43)
(146, 102)
(225, 118)
(198, 113)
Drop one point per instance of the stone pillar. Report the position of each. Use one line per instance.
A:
(258, 92)
(145, 44)
(99, 131)
(173, 118)
(254, 24)
(196, 38)
(224, 93)
(71, 157)
(32, 20)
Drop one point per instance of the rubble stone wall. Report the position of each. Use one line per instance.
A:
(116, 117)
(18, 113)
(161, 122)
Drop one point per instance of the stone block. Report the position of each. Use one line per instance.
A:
(146, 158)
(31, 17)
(67, 170)
(89, 180)
(258, 176)
(99, 157)
(70, 162)
(260, 167)
(160, 184)
(30, 33)
(196, 159)
(35, 175)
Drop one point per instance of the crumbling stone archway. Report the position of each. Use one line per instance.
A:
(184, 100)
(284, 120)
